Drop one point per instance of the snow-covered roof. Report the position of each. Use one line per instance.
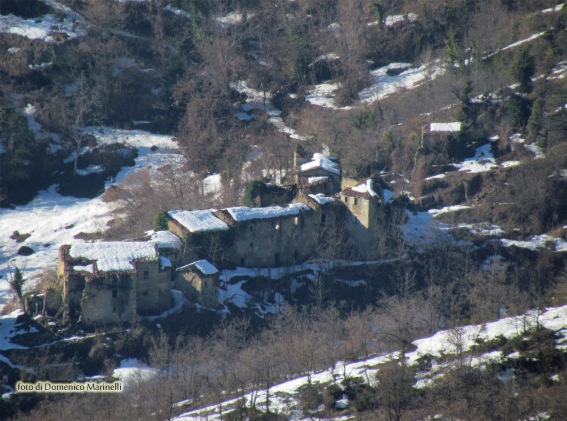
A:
(322, 199)
(165, 240)
(114, 255)
(323, 162)
(317, 180)
(198, 220)
(242, 213)
(364, 188)
(203, 266)
(445, 127)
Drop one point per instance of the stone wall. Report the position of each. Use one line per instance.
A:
(147, 291)
(272, 242)
(109, 299)
(361, 220)
(197, 287)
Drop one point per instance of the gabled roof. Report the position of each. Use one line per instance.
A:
(322, 161)
(204, 267)
(165, 240)
(321, 199)
(109, 256)
(198, 220)
(241, 213)
(364, 189)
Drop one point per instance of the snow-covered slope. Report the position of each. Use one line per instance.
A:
(284, 397)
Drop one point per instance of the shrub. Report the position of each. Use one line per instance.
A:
(490, 345)
(160, 223)
(311, 398)
(25, 251)
(332, 394)
(424, 362)
(94, 363)
(252, 190)
(401, 201)
(20, 238)
(366, 398)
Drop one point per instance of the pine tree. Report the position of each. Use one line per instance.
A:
(453, 50)
(522, 69)
(160, 223)
(379, 12)
(536, 122)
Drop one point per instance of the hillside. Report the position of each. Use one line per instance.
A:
(410, 384)
(112, 112)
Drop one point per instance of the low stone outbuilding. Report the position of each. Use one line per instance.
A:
(437, 136)
(199, 281)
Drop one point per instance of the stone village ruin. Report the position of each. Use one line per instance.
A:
(115, 282)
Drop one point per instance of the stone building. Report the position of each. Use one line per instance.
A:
(272, 194)
(321, 174)
(363, 202)
(270, 236)
(204, 235)
(113, 282)
(199, 281)
(437, 136)
(257, 237)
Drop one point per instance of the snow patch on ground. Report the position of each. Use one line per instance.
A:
(482, 161)
(9, 329)
(323, 95)
(538, 242)
(554, 9)
(256, 100)
(392, 20)
(436, 177)
(453, 127)
(420, 228)
(178, 12)
(132, 372)
(233, 293)
(508, 164)
(45, 27)
(482, 228)
(517, 138)
(559, 71)
(384, 84)
(447, 209)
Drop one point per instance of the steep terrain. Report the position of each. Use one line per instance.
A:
(114, 111)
